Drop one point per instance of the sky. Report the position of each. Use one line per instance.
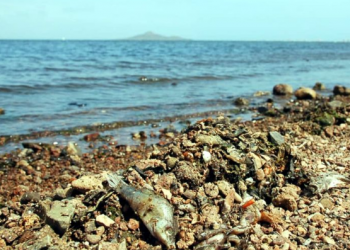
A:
(193, 19)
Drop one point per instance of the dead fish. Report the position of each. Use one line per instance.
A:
(156, 212)
(326, 181)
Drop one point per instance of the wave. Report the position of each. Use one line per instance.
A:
(29, 89)
(61, 69)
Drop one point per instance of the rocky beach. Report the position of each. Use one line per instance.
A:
(277, 181)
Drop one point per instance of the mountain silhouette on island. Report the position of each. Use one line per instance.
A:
(150, 36)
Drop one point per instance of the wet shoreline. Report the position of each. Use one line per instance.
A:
(245, 108)
(230, 183)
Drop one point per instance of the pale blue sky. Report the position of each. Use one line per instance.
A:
(194, 19)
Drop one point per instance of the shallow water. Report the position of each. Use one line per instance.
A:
(50, 85)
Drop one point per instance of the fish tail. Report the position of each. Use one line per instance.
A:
(114, 180)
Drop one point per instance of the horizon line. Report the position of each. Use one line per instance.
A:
(182, 40)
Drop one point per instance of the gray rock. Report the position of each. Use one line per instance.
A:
(43, 209)
(90, 227)
(336, 104)
(276, 138)
(341, 90)
(282, 89)
(319, 86)
(61, 194)
(43, 243)
(241, 101)
(30, 197)
(93, 238)
(60, 215)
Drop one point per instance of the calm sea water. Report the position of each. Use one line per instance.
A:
(50, 85)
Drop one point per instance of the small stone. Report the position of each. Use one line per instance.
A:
(11, 234)
(92, 137)
(90, 227)
(73, 149)
(282, 89)
(171, 162)
(260, 174)
(42, 243)
(278, 240)
(329, 240)
(305, 94)
(100, 230)
(2, 111)
(319, 86)
(112, 245)
(276, 138)
(335, 104)
(301, 231)
(60, 215)
(224, 187)
(241, 101)
(341, 90)
(206, 156)
(211, 189)
(285, 200)
(104, 220)
(87, 183)
(93, 238)
(329, 131)
(214, 140)
(261, 93)
(61, 194)
(327, 203)
(30, 197)
(133, 224)
(316, 217)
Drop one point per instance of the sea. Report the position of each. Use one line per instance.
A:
(54, 85)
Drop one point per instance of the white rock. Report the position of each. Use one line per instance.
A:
(206, 156)
(104, 220)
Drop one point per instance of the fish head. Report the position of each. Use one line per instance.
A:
(165, 233)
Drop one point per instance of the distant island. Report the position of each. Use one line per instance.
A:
(150, 36)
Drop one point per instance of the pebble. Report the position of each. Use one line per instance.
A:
(305, 94)
(276, 138)
(329, 240)
(104, 220)
(93, 238)
(206, 156)
(319, 86)
(133, 224)
(92, 137)
(327, 203)
(30, 197)
(112, 245)
(211, 190)
(282, 89)
(341, 90)
(316, 217)
(87, 183)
